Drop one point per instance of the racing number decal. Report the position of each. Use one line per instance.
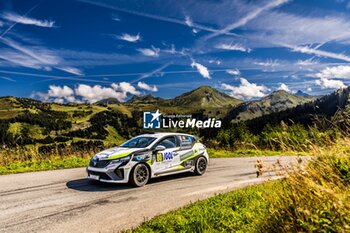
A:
(159, 157)
(164, 156)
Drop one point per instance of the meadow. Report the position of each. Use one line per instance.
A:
(314, 198)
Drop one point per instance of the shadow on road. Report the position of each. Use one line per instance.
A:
(87, 185)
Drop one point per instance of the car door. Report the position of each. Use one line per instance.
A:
(185, 153)
(167, 159)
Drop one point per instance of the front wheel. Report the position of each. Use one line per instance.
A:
(139, 175)
(201, 166)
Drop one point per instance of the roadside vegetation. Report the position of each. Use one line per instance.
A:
(55, 152)
(17, 160)
(314, 198)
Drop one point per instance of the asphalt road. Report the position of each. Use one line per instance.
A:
(64, 201)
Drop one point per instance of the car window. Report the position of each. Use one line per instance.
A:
(138, 142)
(186, 140)
(169, 142)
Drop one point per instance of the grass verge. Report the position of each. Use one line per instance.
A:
(45, 164)
(311, 198)
(237, 211)
(17, 161)
(213, 153)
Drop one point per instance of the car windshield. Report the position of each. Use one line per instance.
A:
(138, 142)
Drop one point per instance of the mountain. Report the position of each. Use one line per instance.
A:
(205, 97)
(275, 102)
(301, 93)
(326, 111)
(26, 121)
(108, 101)
(146, 99)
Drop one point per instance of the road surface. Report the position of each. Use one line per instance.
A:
(64, 201)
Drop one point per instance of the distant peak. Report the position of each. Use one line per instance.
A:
(301, 93)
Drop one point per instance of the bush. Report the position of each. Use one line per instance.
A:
(315, 199)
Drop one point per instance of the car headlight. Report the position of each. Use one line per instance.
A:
(121, 160)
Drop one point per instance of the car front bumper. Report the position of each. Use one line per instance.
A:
(115, 174)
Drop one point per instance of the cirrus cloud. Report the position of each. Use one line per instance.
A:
(13, 17)
(233, 47)
(129, 38)
(152, 52)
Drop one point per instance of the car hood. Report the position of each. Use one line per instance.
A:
(115, 153)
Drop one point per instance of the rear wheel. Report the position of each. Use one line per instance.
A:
(201, 166)
(139, 175)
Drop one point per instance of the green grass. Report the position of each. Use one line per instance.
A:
(238, 211)
(45, 164)
(30, 161)
(213, 153)
(311, 198)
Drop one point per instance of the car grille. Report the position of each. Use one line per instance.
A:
(99, 164)
(102, 175)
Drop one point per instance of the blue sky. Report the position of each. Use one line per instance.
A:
(87, 50)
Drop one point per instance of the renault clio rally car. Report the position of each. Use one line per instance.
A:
(147, 156)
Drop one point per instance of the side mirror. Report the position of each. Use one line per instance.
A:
(160, 148)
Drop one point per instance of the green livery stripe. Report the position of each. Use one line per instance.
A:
(149, 162)
(191, 157)
(119, 156)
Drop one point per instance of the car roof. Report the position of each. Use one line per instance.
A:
(162, 134)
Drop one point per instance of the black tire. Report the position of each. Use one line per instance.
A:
(139, 175)
(201, 166)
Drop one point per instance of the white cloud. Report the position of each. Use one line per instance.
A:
(152, 52)
(152, 5)
(233, 47)
(86, 93)
(234, 72)
(309, 89)
(284, 87)
(245, 90)
(247, 18)
(281, 28)
(57, 91)
(130, 38)
(307, 62)
(325, 83)
(13, 17)
(201, 69)
(125, 88)
(7, 78)
(342, 72)
(71, 70)
(57, 94)
(268, 63)
(216, 61)
(147, 87)
(92, 94)
(188, 21)
(35, 57)
(317, 52)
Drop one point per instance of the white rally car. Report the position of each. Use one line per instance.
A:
(147, 156)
